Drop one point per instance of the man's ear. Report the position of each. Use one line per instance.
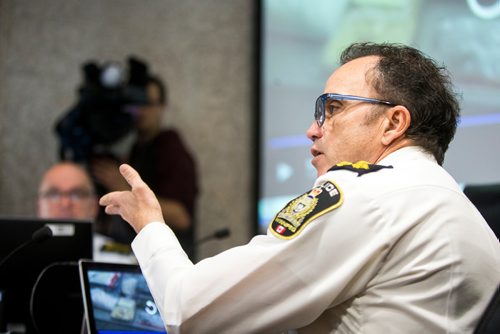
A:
(397, 121)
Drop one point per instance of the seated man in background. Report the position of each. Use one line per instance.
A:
(67, 192)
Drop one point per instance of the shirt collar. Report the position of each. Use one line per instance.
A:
(407, 153)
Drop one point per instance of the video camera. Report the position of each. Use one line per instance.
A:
(104, 112)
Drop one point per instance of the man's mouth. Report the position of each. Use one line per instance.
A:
(315, 152)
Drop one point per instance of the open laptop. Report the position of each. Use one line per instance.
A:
(117, 299)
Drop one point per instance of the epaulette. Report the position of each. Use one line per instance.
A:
(361, 167)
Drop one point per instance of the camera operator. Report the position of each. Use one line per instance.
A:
(111, 104)
(164, 162)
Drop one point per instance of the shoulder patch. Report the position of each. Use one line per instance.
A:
(360, 167)
(299, 212)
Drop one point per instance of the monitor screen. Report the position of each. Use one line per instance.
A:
(300, 44)
(71, 241)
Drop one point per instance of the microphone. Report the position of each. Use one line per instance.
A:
(39, 235)
(42, 234)
(220, 233)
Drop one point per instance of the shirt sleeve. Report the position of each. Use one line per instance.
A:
(268, 285)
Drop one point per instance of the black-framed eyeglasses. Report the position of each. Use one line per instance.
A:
(327, 99)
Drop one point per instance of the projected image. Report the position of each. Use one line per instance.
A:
(301, 42)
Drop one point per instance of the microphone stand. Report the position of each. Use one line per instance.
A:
(39, 235)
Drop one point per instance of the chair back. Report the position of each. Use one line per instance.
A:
(490, 320)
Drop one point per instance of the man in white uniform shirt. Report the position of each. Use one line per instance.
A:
(385, 241)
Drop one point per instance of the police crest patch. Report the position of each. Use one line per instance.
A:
(300, 211)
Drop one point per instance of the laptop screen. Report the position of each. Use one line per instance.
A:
(117, 299)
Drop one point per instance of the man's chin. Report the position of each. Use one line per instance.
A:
(321, 164)
(320, 170)
(66, 216)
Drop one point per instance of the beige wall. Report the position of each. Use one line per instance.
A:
(203, 48)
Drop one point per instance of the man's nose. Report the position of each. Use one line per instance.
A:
(65, 200)
(314, 132)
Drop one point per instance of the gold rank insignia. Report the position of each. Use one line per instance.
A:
(360, 167)
(288, 223)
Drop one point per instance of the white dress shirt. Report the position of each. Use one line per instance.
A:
(401, 249)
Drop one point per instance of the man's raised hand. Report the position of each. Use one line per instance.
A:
(137, 206)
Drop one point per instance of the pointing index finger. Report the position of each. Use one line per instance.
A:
(131, 176)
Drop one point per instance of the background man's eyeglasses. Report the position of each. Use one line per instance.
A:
(327, 98)
(76, 195)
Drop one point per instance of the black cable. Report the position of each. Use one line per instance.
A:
(33, 290)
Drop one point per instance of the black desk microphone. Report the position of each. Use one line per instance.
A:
(220, 233)
(39, 235)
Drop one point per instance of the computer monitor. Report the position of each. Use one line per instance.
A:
(486, 198)
(71, 241)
